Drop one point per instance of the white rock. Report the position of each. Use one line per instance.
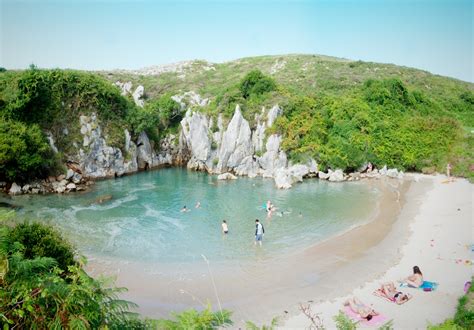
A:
(336, 176)
(15, 189)
(392, 173)
(226, 176)
(144, 152)
(236, 143)
(273, 113)
(26, 188)
(283, 179)
(323, 176)
(70, 186)
(76, 178)
(137, 96)
(69, 174)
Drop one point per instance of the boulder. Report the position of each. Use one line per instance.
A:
(35, 191)
(392, 173)
(69, 174)
(226, 176)
(323, 176)
(336, 176)
(76, 178)
(61, 177)
(26, 188)
(15, 189)
(282, 179)
(71, 186)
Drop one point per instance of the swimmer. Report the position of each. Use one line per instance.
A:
(198, 204)
(225, 229)
(185, 209)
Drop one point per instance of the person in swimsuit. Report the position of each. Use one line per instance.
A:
(259, 232)
(225, 229)
(360, 308)
(415, 280)
(391, 292)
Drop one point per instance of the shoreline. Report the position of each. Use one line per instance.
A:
(266, 287)
(423, 235)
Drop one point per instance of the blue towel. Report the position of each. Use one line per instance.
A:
(426, 285)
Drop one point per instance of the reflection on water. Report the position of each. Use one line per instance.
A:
(142, 221)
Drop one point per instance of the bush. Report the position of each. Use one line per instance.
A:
(192, 319)
(36, 293)
(43, 241)
(256, 83)
(24, 152)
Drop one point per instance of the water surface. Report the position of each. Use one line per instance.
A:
(142, 222)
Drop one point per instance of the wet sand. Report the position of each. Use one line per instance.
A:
(263, 288)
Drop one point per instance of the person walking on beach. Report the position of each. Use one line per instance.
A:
(225, 229)
(448, 171)
(259, 232)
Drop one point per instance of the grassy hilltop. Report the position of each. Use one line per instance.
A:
(340, 112)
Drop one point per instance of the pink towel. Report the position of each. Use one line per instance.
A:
(375, 321)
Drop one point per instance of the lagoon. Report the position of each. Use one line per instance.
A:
(142, 221)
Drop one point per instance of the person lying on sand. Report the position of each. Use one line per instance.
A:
(415, 280)
(360, 308)
(391, 293)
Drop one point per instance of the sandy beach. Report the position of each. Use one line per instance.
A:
(433, 231)
(419, 221)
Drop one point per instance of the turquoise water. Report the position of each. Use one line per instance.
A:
(142, 222)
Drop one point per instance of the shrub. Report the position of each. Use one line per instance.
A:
(256, 83)
(37, 293)
(40, 240)
(24, 152)
(192, 319)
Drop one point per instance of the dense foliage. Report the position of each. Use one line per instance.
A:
(156, 117)
(38, 293)
(382, 122)
(35, 101)
(24, 151)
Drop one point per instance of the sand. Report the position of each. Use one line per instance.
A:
(433, 230)
(410, 214)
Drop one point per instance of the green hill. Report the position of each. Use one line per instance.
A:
(340, 112)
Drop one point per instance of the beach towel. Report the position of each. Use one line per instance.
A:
(381, 294)
(426, 286)
(375, 321)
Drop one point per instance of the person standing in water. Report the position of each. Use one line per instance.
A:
(225, 229)
(259, 232)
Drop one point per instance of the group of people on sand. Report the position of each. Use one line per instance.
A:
(388, 291)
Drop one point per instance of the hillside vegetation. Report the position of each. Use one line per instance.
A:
(342, 113)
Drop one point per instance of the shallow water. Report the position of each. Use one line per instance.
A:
(143, 223)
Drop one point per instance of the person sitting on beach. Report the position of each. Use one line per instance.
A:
(391, 293)
(415, 280)
(360, 308)
(225, 229)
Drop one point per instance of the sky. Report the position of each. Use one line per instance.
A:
(433, 35)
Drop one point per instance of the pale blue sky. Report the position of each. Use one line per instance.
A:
(435, 35)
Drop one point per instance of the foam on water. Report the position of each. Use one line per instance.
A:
(142, 221)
